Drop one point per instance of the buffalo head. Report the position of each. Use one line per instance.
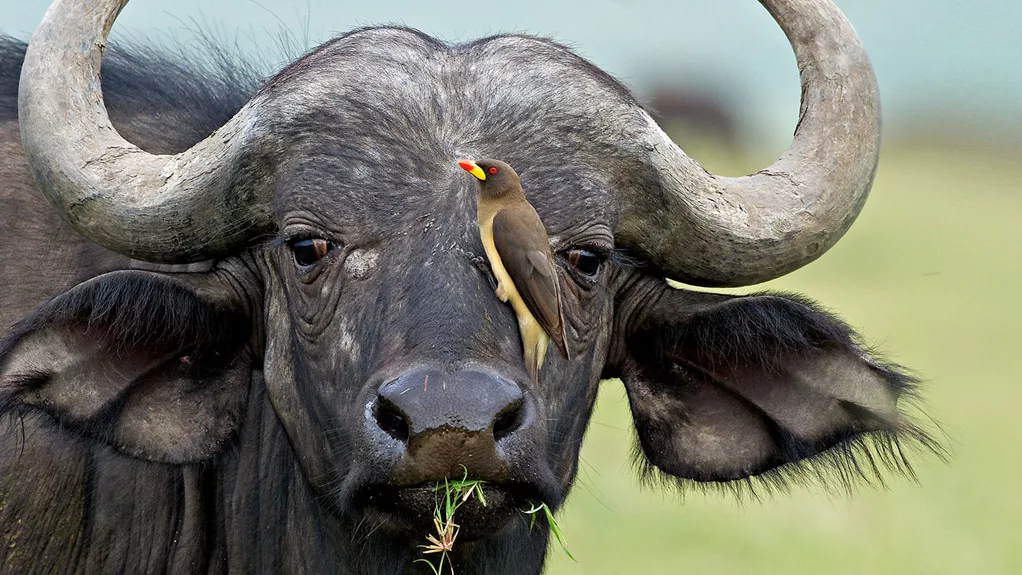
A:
(346, 291)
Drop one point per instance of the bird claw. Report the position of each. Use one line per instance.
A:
(484, 266)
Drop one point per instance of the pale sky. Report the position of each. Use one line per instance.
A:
(935, 59)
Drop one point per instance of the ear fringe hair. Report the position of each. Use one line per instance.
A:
(868, 458)
(133, 309)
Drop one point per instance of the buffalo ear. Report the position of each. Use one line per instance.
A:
(725, 388)
(154, 365)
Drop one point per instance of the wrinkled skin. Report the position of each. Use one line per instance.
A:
(229, 419)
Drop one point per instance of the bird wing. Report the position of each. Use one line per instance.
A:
(523, 247)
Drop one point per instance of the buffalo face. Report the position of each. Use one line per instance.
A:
(394, 343)
(389, 359)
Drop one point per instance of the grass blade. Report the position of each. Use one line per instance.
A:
(554, 528)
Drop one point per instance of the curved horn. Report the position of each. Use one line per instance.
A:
(710, 230)
(195, 205)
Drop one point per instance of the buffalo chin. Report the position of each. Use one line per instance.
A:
(409, 511)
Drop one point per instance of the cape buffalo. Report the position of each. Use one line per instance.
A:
(253, 343)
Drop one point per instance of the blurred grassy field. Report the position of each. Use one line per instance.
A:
(932, 274)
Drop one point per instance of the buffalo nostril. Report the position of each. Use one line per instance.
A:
(391, 420)
(508, 421)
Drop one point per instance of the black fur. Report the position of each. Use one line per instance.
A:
(163, 99)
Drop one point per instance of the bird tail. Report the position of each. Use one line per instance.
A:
(535, 353)
(561, 339)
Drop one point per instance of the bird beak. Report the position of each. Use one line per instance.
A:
(472, 168)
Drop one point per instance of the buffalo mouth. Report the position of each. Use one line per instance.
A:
(411, 510)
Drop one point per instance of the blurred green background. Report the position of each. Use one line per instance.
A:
(931, 272)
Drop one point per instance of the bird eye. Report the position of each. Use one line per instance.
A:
(585, 262)
(493, 170)
(309, 251)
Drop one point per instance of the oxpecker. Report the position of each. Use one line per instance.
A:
(518, 249)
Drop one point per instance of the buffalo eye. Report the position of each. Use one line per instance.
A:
(585, 262)
(309, 251)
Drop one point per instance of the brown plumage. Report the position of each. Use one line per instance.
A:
(519, 252)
